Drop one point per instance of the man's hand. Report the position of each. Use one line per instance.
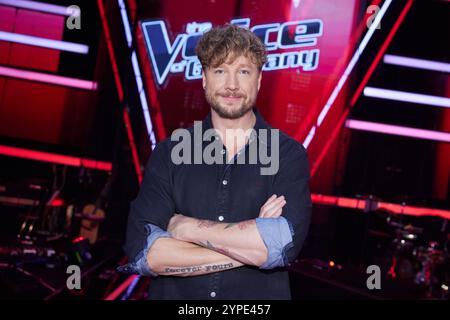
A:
(240, 241)
(178, 225)
(273, 208)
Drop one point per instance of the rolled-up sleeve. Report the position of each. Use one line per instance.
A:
(277, 236)
(291, 181)
(140, 265)
(153, 207)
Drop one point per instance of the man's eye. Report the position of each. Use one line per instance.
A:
(218, 71)
(245, 72)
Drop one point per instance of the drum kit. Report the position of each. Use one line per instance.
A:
(424, 264)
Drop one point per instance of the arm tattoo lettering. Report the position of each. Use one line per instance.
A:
(204, 268)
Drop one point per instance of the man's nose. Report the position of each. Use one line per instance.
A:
(232, 82)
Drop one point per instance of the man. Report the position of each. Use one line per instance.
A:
(222, 230)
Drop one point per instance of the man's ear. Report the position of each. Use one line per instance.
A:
(203, 79)
(259, 79)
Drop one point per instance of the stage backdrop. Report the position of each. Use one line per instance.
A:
(309, 45)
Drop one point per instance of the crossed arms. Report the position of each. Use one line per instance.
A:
(190, 247)
(202, 246)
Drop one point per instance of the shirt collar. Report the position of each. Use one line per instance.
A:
(259, 124)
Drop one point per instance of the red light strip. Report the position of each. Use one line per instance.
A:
(412, 211)
(134, 154)
(133, 9)
(381, 52)
(394, 208)
(338, 201)
(54, 158)
(121, 288)
(79, 239)
(112, 55)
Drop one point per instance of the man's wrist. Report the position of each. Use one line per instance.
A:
(187, 230)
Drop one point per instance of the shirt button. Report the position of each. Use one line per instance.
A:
(224, 182)
(220, 218)
(212, 294)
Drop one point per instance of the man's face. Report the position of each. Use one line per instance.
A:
(232, 87)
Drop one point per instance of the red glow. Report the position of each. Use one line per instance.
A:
(57, 202)
(441, 167)
(391, 271)
(30, 23)
(79, 239)
(54, 158)
(132, 5)
(378, 205)
(331, 264)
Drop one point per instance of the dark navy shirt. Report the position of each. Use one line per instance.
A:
(227, 192)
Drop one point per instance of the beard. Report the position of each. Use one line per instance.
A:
(229, 112)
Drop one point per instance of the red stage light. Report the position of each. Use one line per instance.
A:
(79, 239)
(54, 158)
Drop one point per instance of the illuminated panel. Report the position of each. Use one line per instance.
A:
(323, 150)
(347, 72)
(33, 24)
(381, 52)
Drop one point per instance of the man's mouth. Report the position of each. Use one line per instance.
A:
(231, 98)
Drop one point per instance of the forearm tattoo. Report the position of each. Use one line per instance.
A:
(210, 246)
(199, 269)
(206, 224)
